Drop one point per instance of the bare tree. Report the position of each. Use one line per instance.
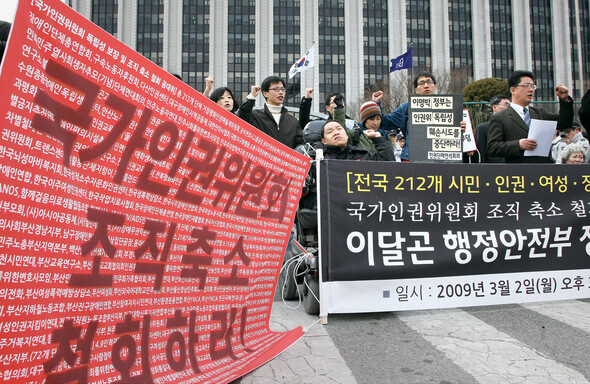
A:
(395, 92)
(453, 81)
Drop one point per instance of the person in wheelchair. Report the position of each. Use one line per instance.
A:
(332, 139)
(334, 143)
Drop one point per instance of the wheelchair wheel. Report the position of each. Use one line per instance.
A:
(287, 283)
(311, 287)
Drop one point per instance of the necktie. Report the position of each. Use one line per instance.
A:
(527, 116)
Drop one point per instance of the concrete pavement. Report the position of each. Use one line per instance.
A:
(546, 342)
(314, 359)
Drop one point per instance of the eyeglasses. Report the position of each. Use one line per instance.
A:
(528, 85)
(277, 89)
(424, 82)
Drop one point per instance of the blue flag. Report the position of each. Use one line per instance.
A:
(402, 62)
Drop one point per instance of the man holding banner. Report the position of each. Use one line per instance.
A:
(424, 84)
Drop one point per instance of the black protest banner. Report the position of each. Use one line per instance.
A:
(419, 236)
(388, 220)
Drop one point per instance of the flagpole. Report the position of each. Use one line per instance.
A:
(412, 69)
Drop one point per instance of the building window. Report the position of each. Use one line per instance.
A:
(542, 48)
(287, 45)
(375, 38)
(583, 15)
(460, 32)
(241, 44)
(105, 15)
(332, 56)
(150, 30)
(195, 42)
(501, 32)
(418, 31)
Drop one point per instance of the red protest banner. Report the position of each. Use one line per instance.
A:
(142, 227)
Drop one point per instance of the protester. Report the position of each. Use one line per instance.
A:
(509, 128)
(557, 145)
(224, 97)
(498, 103)
(397, 149)
(401, 140)
(424, 84)
(209, 81)
(574, 134)
(361, 136)
(335, 145)
(584, 111)
(335, 106)
(273, 119)
(574, 153)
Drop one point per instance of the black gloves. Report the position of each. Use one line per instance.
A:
(339, 101)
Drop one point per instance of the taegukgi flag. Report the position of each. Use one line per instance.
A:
(402, 62)
(306, 62)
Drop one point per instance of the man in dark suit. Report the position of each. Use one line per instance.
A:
(498, 103)
(509, 129)
(584, 111)
(584, 114)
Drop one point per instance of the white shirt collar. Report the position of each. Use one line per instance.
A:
(519, 109)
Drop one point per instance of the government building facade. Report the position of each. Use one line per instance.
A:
(241, 42)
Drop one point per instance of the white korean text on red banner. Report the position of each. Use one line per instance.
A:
(142, 226)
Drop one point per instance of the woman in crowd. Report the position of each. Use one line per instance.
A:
(573, 153)
(370, 127)
(225, 97)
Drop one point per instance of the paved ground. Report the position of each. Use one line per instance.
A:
(533, 343)
(314, 359)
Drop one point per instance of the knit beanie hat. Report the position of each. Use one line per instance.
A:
(368, 110)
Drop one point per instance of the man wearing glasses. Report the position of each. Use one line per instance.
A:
(273, 118)
(424, 84)
(498, 103)
(509, 129)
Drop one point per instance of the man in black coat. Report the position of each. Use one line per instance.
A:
(509, 129)
(498, 103)
(335, 145)
(584, 114)
(584, 111)
(273, 119)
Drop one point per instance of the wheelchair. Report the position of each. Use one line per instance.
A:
(300, 265)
